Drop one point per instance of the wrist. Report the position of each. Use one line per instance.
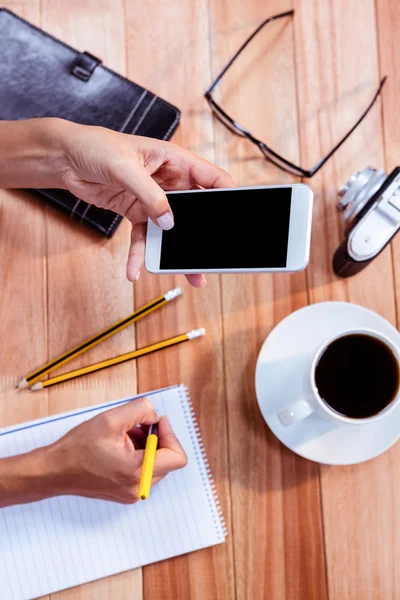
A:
(30, 477)
(32, 153)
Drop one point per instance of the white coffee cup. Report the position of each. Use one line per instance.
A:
(311, 402)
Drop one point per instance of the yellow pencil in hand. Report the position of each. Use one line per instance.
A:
(148, 463)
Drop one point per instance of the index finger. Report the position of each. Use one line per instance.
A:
(123, 418)
(208, 175)
(170, 456)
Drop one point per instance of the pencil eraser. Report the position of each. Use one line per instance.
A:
(173, 294)
(195, 333)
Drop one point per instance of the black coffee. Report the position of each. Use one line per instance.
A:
(357, 376)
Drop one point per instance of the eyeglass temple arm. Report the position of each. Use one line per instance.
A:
(296, 169)
(224, 70)
(320, 163)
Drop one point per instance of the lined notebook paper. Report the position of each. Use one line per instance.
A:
(54, 544)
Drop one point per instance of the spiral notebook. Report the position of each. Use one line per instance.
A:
(55, 544)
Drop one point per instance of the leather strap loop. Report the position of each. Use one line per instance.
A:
(84, 65)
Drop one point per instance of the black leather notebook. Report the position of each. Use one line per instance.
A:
(41, 76)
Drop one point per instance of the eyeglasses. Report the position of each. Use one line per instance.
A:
(270, 154)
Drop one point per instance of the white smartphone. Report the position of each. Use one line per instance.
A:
(234, 230)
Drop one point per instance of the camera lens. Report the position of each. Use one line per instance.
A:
(358, 190)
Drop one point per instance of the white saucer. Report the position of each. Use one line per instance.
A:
(283, 369)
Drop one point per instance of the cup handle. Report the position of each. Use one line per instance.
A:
(296, 411)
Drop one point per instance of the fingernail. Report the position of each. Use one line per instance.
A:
(165, 221)
(137, 277)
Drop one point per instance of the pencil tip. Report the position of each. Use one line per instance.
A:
(23, 384)
(37, 386)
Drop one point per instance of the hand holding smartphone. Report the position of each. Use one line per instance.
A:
(234, 230)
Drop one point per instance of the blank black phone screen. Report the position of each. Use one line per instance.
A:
(229, 229)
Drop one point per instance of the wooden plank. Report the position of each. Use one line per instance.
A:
(87, 288)
(338, 73)
(23, 275)
(172, 40)
(333, 91)
(388, 21)
(278, 543)
(23, 296)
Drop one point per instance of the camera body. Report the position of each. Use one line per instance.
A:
(370, 202)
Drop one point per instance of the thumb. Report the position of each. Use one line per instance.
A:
(137, 412)
(132, 176)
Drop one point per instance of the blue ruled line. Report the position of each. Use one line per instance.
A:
(87, 410)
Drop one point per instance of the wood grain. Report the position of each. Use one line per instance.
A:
(86, 285)
(338, 73)
(387, 23)
(23, 301)
(277, 535)
(296, 530)
(198, 364)
(23, 288)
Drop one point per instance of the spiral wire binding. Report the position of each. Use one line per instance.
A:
(202, 461)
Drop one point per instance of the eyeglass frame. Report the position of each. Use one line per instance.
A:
(268, 153)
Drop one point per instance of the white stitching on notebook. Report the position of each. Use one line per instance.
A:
(95, 224)
(144, 115)
(134, 109)
(74, 209)
(166, 136)
(85, 212)
(113, 223)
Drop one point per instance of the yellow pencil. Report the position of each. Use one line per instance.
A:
(191, 335)
(39, 373)
(148, 464)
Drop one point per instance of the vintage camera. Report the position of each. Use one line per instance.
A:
(370, 202)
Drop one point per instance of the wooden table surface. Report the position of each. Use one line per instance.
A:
(296, 529)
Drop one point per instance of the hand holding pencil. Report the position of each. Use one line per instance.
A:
(113, 446)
